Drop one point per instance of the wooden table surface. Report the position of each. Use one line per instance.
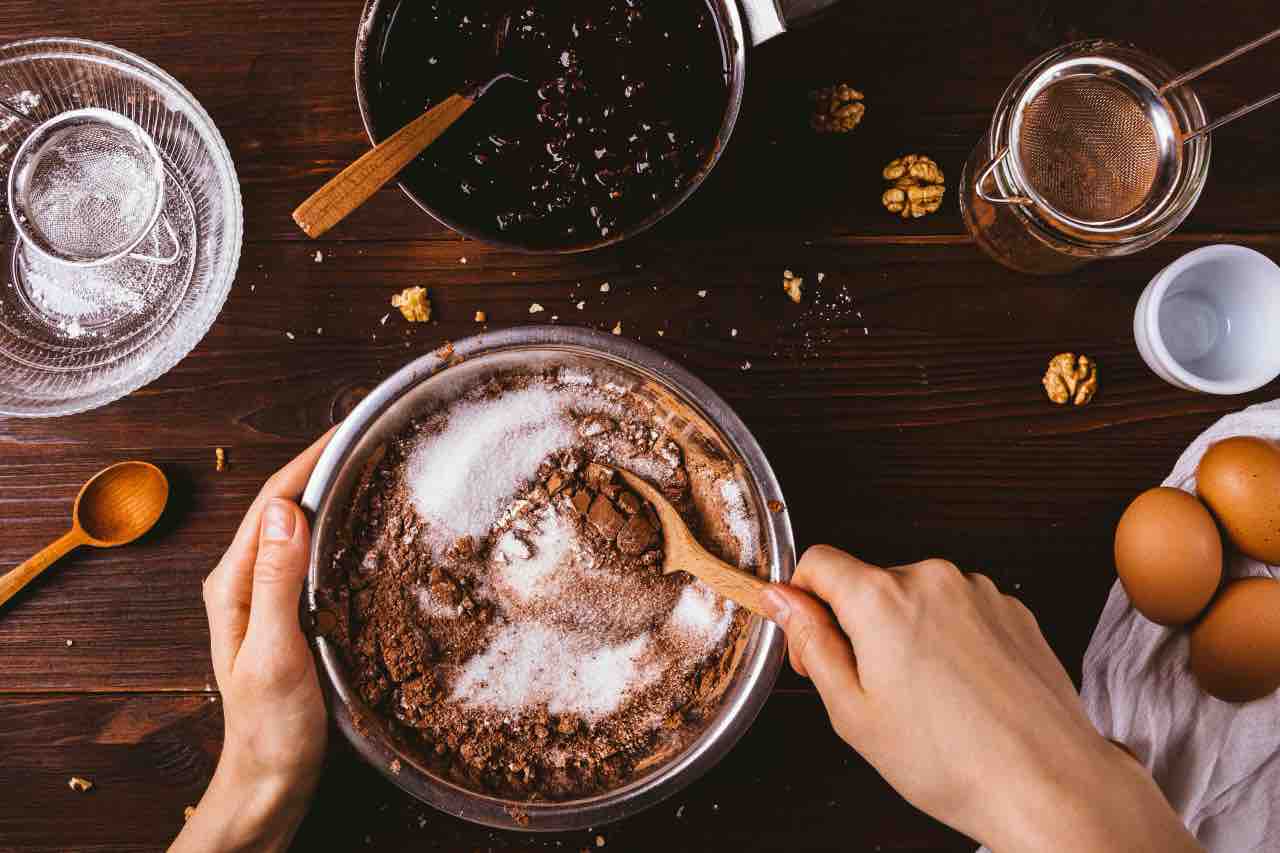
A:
(900, 405)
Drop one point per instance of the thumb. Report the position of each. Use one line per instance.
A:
(278, 573)
(818, 648)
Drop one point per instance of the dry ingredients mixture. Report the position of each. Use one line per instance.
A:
(621, 111)
(503, 598)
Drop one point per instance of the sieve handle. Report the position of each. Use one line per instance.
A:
(1184, 79)
(1231, 116)
(156, 259)
(987, 173)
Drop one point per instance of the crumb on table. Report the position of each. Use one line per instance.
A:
(413, 304)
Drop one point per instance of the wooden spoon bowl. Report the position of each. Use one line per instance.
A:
(683, 553)
(115, 507)
(120, 503)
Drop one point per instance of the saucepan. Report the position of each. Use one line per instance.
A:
(741, 24)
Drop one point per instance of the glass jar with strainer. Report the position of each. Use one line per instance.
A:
(1096, 150)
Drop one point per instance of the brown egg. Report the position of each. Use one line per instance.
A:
(1235, 649)
(1239, 478)
(1168, 555)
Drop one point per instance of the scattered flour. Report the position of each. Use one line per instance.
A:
(529, 664)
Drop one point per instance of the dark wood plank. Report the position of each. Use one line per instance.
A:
(149, 756)
(277, 79)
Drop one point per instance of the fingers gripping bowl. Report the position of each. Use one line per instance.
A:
(703, 427)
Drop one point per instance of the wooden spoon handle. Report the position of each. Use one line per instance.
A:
(357, 183)
(734, 584)
(14, 580)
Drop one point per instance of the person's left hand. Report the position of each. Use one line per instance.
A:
(273, 710)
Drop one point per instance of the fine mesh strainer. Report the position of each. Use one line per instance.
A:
(86, 187)
(1096, 146)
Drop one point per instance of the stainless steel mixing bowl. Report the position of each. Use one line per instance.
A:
(694, 415)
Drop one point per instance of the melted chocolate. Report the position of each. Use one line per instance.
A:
(620, 114)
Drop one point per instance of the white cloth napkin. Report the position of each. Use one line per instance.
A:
(1218, 763)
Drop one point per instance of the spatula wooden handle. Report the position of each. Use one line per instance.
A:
(734, 584)
(14, 580)
(357, 183)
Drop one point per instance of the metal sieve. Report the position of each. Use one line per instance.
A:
(1095, 145)
(86, 188)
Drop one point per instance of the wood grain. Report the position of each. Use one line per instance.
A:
(900, 404)
(356, 184)
(151, 755)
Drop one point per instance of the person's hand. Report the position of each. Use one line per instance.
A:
(949, 690)
(273, 710)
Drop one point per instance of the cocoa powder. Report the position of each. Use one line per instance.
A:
(549, 658)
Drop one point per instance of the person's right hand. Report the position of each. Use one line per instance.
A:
(949, 690)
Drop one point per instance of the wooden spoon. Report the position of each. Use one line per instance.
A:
(357, 183)
(115, 507)
(683, 553)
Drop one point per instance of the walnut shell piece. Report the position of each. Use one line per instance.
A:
(413, 304)
(917, 186)
(1071, 379)
(836, 109)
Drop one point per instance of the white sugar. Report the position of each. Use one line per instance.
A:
(432, 606)
(568, 376)
(528, 571)
(701, 616)
(461, 477)
(529, 664)
(738, 516)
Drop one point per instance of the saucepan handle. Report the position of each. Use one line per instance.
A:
(769, 18)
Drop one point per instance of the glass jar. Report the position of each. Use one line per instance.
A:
(1018, 228)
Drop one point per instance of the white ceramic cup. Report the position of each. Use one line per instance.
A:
(1210, 321)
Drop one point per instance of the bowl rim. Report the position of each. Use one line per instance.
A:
(761, 669)
(235, 244)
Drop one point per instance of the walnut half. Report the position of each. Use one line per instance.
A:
(917, 186)
(836, 109)
(1071, 379)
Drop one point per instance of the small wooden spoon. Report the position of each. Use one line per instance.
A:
(683, 553)
(115, 507)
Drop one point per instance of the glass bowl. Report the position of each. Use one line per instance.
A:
(74, 338)
(693, 415)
